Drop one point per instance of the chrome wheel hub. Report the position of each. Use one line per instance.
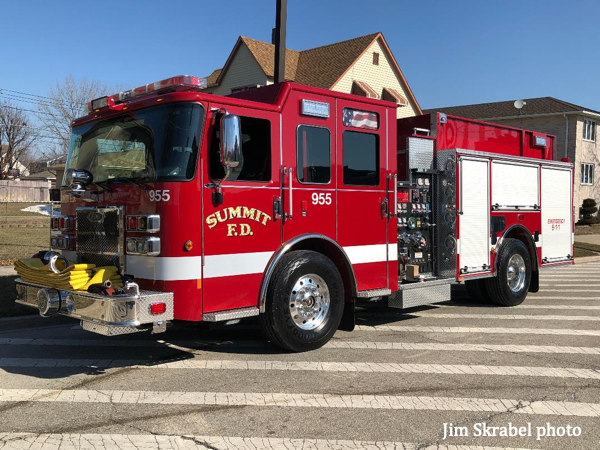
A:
(516, 273)
(309, 302)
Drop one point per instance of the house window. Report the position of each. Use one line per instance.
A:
(255, 163)
(360, 155)
(376, 58)
(587, 173)
(313, 155)
(589, 130)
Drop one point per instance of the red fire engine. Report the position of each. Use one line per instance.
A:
(291, 203)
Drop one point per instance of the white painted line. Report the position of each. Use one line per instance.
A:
(541, 297)
(434, 315)
(490, 330)
(312, 366)
(185, 442)
(304, 400)
(571, 290)
(521, 306)
(561, 285)
(336, 344)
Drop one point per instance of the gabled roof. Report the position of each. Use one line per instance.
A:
(318, 67)
(534, 106)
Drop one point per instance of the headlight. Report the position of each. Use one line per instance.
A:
(143, 246)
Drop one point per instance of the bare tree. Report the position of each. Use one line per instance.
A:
(16, 139)
(64, 103)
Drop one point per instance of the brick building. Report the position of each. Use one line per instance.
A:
(575, 127)
(363, 66)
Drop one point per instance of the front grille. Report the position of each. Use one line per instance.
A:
(99, 236)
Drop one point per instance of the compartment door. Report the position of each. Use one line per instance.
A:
(557, 213)
(474, 222)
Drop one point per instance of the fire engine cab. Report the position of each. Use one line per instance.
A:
(291, 203)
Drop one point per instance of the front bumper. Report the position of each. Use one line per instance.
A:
(107, 315)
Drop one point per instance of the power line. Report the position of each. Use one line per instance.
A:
(31, 95)
(29, 110)
(18, 98)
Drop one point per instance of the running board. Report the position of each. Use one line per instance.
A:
(410, 295)
(232, 314)
(374, 293)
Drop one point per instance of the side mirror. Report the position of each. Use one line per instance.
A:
(78, 179)
(231, 142)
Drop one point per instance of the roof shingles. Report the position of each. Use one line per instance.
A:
(534, 106)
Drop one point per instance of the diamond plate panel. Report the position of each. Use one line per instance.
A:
(232, 314)
(100, 236)
(106, 330)
(420, 153)
(421, 294)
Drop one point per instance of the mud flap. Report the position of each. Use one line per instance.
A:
(349, 317)
(534, 286)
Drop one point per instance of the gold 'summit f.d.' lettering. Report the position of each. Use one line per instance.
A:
(238, 212)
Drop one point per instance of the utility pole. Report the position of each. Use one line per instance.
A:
(278, 38)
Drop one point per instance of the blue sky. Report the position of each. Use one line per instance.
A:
(451, 52)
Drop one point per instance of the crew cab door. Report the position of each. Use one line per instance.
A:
(309, 196)
(362, 197)
(241, 234)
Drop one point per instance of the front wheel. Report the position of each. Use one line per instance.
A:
(305, 302)
(511, 284)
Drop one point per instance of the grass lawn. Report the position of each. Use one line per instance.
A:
(8, 307)
(585, 249)
(581, 230)
(20, 242)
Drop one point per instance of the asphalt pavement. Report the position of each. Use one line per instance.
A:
(400, 380)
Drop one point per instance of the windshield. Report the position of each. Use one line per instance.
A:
(154, 144)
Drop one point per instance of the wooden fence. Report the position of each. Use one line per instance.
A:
(24, 191)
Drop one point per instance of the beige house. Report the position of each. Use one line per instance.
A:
(363, 66)
(575, 128)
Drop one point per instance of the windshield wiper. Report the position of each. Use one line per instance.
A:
(125, 180)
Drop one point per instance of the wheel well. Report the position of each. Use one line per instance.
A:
(333, 252)
(521, 233)
(319, 244)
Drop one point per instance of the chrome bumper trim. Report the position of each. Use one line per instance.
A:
(117, 310)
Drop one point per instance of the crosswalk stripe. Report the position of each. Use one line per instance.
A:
(571, 290)
(490, 330)
(311, 366)
(543, 297)
(170, 442)
(334, 344)
(304, 400)
(435, 315)
(522, 306)
(560, 285)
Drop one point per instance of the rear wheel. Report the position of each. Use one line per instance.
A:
(305, 302)
(510, 286)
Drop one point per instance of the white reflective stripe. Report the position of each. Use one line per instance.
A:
(236, 264)
(360, 254)
(164, 268)
(155, 441)
(393, 252)
(303, 400)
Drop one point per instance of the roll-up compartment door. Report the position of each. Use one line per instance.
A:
(515, 186)
(474, 222)
(557, 210)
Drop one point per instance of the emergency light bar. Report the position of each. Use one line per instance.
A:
(179, 82)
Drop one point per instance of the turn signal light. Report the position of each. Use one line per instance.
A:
(148, 224)
(60, 223)
(188, 246)
(158, 308)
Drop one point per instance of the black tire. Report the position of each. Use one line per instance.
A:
(277, 321)
(498, 287)
(477, 291)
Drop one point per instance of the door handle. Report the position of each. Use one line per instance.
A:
(291, 194)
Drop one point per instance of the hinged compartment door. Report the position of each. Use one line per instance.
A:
(557, 209)
(474, 220)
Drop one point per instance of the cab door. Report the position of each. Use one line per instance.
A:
(309, 180)
(240, 234)
(362, 195)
